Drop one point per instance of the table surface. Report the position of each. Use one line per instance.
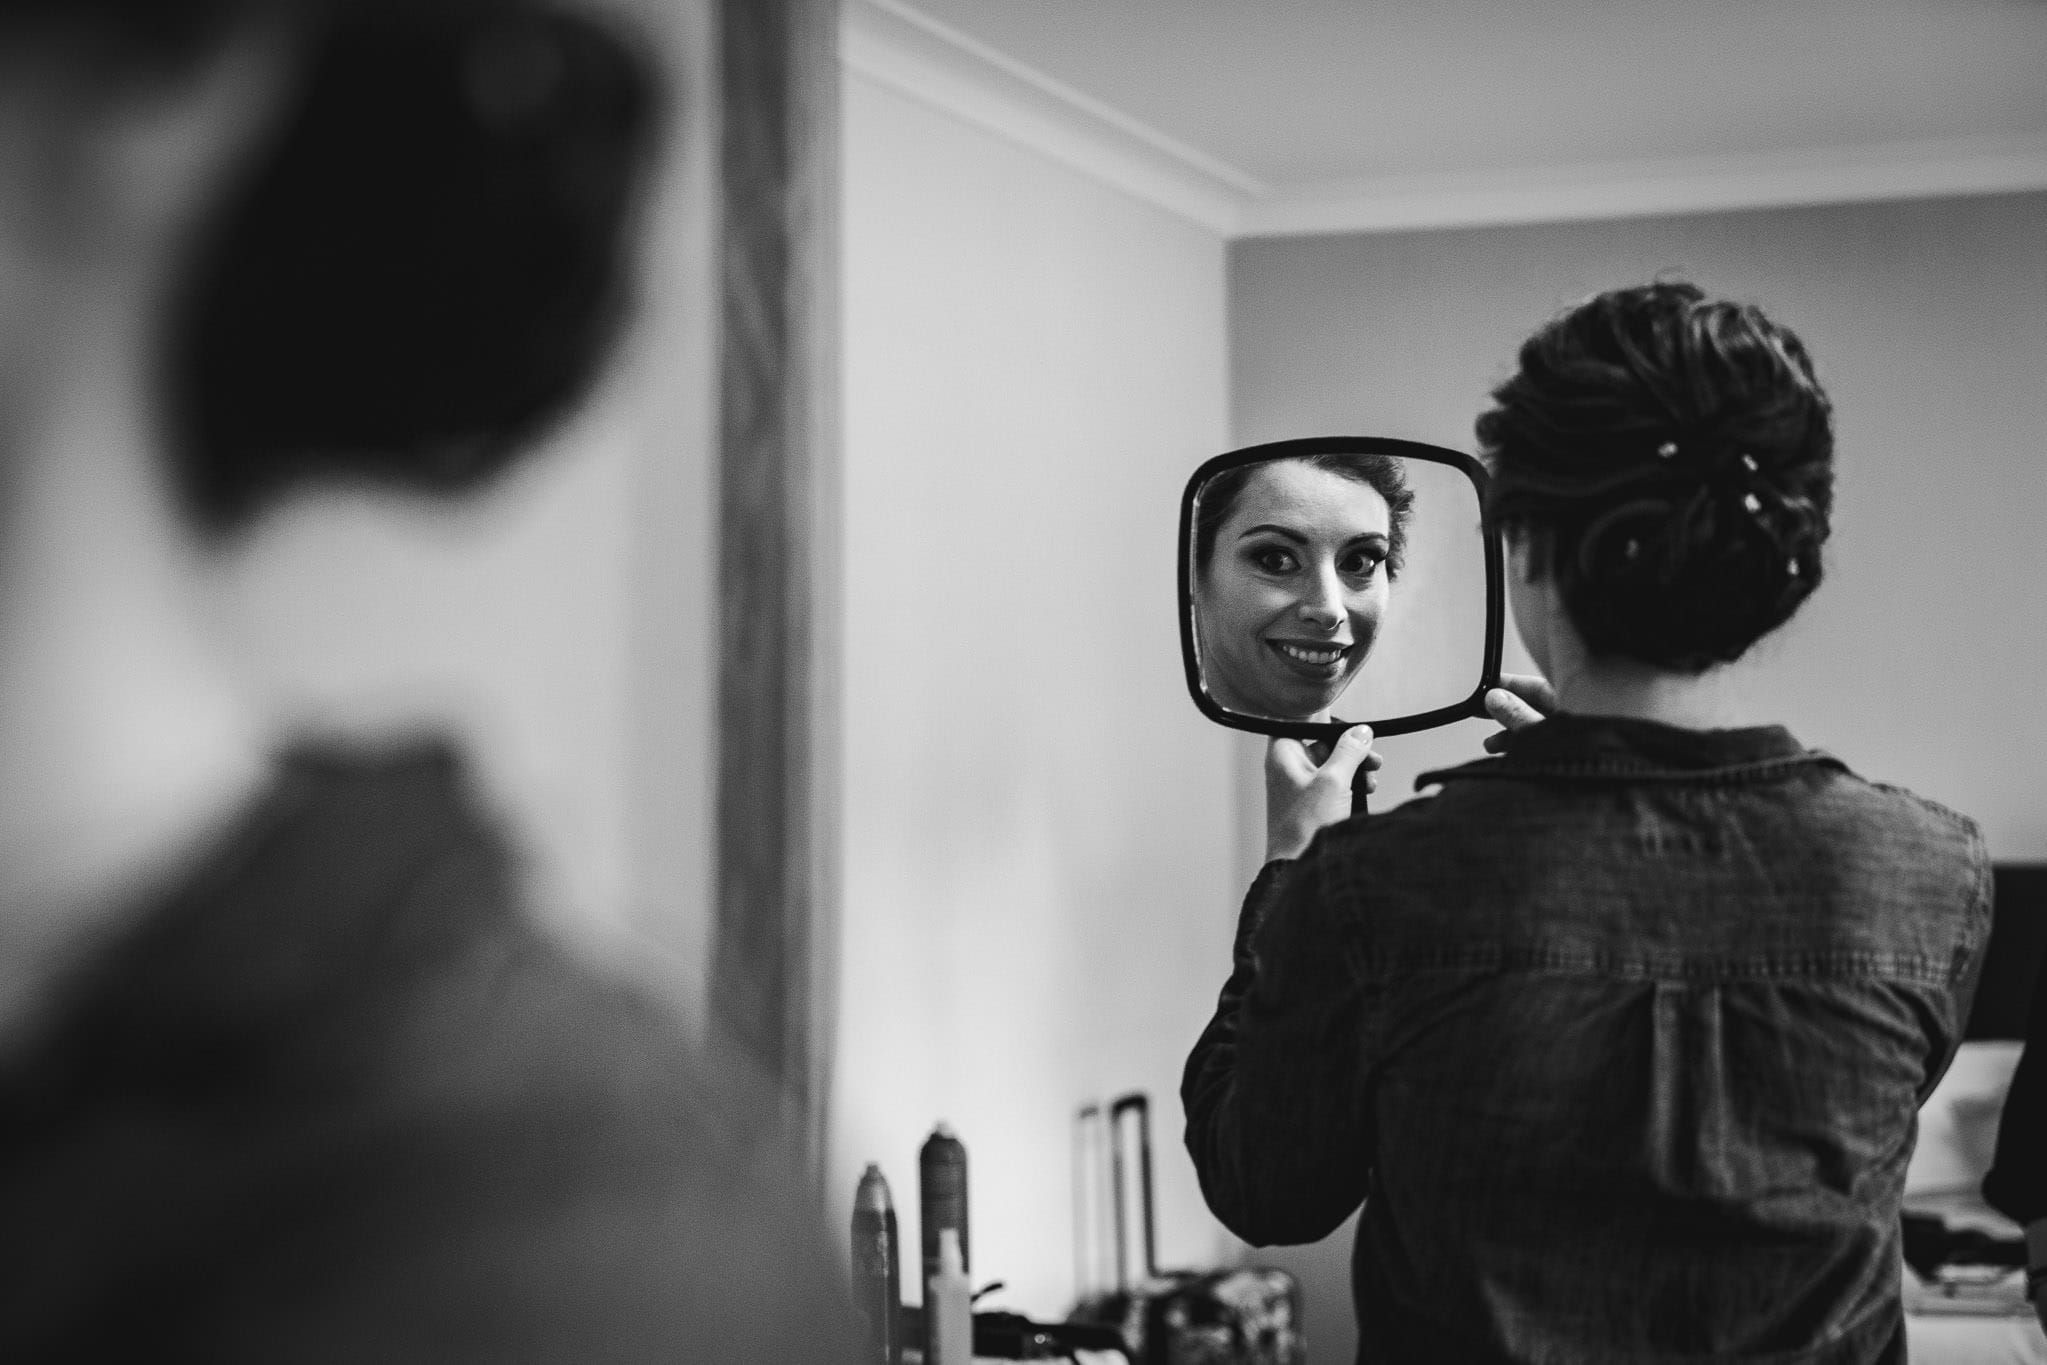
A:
(1956, 1340)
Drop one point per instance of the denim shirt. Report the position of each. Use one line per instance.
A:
(1620, 1040)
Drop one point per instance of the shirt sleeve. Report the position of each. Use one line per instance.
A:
(1968, 972)
(1276, 1089)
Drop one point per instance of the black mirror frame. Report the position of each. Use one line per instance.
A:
(1496, 597)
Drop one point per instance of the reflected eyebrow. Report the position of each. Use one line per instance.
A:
(1270, 528)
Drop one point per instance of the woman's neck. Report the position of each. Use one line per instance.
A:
(1614, 685)
(1712, 700)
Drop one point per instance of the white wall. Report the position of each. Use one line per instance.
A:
(559, 624)
(1917, 659)
(1928, 321)
(1039, 880)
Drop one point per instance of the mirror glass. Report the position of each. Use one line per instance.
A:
(1339, 582)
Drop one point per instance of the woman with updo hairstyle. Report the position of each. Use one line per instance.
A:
(1669, 460)
(289, 1070)
(1619, 1035)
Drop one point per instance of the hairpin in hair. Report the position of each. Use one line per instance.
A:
(1667, 450)
(1590, 539)
(1748, 462)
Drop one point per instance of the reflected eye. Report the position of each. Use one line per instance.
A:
(1273, 559)
(1359, 563)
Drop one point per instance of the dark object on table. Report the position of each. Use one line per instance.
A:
(1930, 1244)
(2011, 962)
(1012, 1336)
(1245, 1316)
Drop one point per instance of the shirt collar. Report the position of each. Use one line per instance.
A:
(1580, 746)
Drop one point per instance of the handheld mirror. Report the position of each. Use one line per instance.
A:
(1337, 580)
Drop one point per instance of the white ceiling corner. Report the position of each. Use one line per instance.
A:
(1630, 189)
(905, 49)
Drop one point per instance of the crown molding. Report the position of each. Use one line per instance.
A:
(898, 46)
(1779, 179)
(894, 45)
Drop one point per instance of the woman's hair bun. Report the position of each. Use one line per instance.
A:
(426, 265)
(1671, 456)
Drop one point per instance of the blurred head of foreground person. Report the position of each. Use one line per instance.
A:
(285, 1071)
(1619, 1036)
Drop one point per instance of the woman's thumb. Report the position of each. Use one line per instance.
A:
(1351, 750)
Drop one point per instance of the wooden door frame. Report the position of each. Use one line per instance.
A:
(774, 957)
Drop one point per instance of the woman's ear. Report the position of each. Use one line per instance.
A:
(1531, 596)
(1527, 554)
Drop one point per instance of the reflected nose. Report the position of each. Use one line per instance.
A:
(1322, 606)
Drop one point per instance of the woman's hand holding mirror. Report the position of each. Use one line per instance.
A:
(1519, 701)
(1310, 783)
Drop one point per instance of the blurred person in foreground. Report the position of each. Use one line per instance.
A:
(286, 1072)
(1621, 1037)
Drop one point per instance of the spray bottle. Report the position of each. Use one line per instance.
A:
(877, 1268)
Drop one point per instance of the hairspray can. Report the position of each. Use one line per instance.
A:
(877, 1268)
(942, 1196)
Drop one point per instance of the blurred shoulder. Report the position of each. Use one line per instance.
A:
(451, 1130)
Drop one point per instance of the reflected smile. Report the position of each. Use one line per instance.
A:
(1320, 658)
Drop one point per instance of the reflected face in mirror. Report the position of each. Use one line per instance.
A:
(1295, 567)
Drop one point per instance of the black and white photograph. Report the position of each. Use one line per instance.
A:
(1125, 682)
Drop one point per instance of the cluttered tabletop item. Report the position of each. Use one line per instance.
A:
(1129, 1313)
(1964, 1274)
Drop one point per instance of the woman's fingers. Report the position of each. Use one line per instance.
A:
(1509, 710)
(1532, 688)
(1302, 761)
(1371, 763)
(1353, 750)
(1519, 701)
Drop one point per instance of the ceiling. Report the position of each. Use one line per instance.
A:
(1300, 101)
